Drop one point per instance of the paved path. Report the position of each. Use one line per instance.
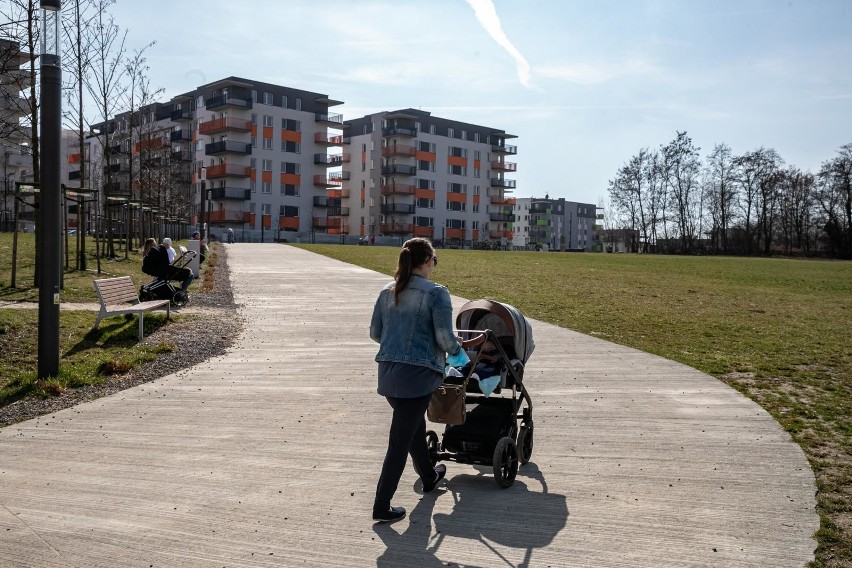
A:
(268, 456)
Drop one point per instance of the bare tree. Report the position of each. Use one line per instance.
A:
(795, 207)
(682, 166)
(834, 196)
(104, 84)
(720, 194)
(629, 194)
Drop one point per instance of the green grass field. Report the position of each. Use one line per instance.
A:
(777, 330)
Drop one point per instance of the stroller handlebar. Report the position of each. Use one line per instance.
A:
(477, 339)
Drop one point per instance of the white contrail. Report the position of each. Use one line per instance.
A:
(486, 13)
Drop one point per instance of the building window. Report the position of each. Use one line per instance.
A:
(424, 203)
(266, 187)
(293, 147)
(450, 132)
(455, 206)
(464, 134)
(289, 189)
(267, 120)
(290, 124)
(426, 165)
(284, 101)
(267, 99)
(253, 96)
(476, 136)
(267, 165)
(254, 118)
(456, 224)
(476, 154)
(298, 104)
(457, 170)
(432, 129)
(290, 168)
(424, 221)
(254, 141)
(253, 185)
(267, 143)
(290, 211)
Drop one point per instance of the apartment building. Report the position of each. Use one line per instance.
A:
(555, 224)
(414, 174)
(16, 162)
(259, 158)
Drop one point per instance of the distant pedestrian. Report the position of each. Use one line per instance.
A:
(230, 236)
(372, 240)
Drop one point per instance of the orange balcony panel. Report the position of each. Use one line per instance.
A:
(399, 150)
(319, 222)
(324, 138)
(395, 228)
(324, 181)
(266, 176)
(223, 125)
(504, 166)
(477, 164)
(288, 223)
(475, 234)
(457, 197)
(457, 161)
(427, 232)
(424, 193)
(455, 233)
(74, 158)
(476, 199)
(509, 234)
(511, 201)
(267, 132)
(291, 179)
(334, 223)
(151, 144)
(287, 135)
(426, 156)
(338, 230)
(252, 174)
(223, 170)
(502, 200)
(338, 194)
(398, 189)
(225, 216)
(249, 218)
(266, 219)
(495, 234)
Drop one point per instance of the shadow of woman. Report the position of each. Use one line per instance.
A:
(517, 517)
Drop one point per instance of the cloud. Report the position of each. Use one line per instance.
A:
(486, 13)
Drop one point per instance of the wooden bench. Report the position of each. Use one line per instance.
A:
(118, 297)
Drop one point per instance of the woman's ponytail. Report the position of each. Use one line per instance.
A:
(414, 253)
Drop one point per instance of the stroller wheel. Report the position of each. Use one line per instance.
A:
(505, 462)
(525, 442)
(180, 298)
(432, 444)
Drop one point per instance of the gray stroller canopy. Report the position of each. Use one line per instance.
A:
(504, 320)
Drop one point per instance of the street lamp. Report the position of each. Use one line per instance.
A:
(202, 220)
(50, 244)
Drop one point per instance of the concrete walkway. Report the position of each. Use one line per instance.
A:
(268, 456)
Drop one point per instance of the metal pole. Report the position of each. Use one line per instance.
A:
(50, 244)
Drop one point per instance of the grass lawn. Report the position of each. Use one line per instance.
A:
(86, 357)
(777, 330)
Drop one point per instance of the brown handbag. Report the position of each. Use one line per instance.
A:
(447, 404)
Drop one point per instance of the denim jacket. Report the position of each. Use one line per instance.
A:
(417, 331)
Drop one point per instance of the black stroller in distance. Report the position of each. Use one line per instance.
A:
(498, 429)
(161, 288)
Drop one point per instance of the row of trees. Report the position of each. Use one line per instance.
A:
(673, 202)
(103, 78)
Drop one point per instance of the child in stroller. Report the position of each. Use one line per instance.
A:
(155, 262)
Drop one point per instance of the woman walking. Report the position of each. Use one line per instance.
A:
(413, 324)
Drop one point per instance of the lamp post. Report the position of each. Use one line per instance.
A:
(202, 224)
(50, 244)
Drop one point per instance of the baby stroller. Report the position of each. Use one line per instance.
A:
(161, 288)
(491, 433)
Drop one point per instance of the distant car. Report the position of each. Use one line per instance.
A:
(72, 231)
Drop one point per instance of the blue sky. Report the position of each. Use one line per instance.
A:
(583, 84)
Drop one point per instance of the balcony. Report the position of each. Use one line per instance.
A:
(398, 208)
(338, 177)
(150, 144)
(288, 223)
(398, 189)
(74, 175)
(181, 114)
(395, 228)
(503, 200)
(508, 183)
(182, 134)
(454, 233)
(117, 188)
(226, 124)
(227, 147)
(502, 217)
(399, 150)
(498, 149)
(122, 168)
(338, 212)
(428, 232)
(230, 194)
(500, 234)
(324, 139)
(181, 156)
(226, 216)
(320, 201)
(330, 120)
(227, 170)
(319, 222)
(336, 226)
(225, 101)
(399, 170)
(338, 194)
(331, 160)
(399, 131)
(326, 181)
(503, 166)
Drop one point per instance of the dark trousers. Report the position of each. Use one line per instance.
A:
(407, 436)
